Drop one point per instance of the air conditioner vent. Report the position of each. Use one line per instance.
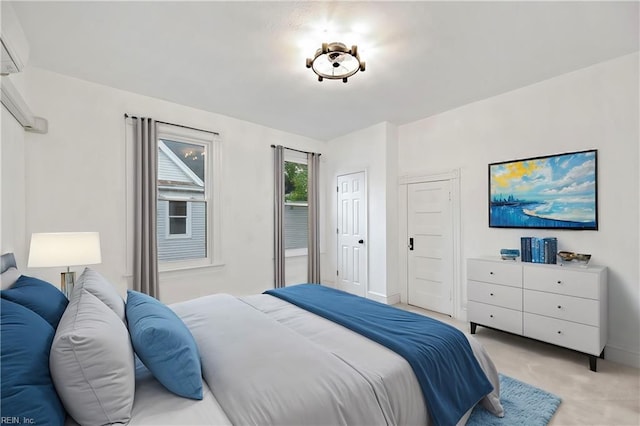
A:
(10, 64)
(16, 105)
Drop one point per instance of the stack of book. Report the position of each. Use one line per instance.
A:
(538, 250)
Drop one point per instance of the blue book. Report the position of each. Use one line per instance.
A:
(534, 250)
(550, 249)
(537, 249)
(526, 249)
(509, 254)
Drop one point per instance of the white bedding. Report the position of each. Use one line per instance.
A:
(267, 362)
(264, 373)
(389, 373)
(154, 405)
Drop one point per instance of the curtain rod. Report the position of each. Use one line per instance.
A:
(298, 150)
(177, 125)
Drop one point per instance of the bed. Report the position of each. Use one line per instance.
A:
(265, 360)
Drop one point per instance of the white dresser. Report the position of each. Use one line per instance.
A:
(562, 305)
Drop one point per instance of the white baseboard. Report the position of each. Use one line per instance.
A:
(393, 299)
(461, 315)
(622, 356)
(379, 297)
(329, 283)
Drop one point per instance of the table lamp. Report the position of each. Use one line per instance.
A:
(64, 249)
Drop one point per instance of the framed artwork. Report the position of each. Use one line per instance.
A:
(550, 192)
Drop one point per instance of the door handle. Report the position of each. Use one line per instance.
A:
(360, 241)
(411, 243)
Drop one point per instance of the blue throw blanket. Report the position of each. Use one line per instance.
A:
(451, 379)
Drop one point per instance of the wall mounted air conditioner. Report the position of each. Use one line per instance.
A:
(15, 52)
(15, 104)
(15, 48)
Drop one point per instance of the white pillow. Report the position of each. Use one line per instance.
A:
(9, 277)
(92, 362)
(98, 285)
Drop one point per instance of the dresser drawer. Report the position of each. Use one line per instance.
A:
(563, 281)
(583, 338)
(576, 309)
(507, 273)
(495, 316)
(494, 294)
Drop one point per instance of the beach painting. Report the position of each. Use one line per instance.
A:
(551, 192)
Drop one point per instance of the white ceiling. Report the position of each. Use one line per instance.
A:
(247, 59)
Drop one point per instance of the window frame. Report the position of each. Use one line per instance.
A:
(212, 195)
(300, 158)
(168, 218)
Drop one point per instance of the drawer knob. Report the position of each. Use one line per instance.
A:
(559, 332)
(491, 294)
(559, 282)
(491, 316)
(559, 307)
(491, 273)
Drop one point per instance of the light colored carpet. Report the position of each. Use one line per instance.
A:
(523, 405)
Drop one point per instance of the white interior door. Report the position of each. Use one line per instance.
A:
(430, 248)
(352, 233)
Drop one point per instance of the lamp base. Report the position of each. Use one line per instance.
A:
(67, 281)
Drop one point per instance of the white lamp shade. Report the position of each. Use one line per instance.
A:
(64, 249)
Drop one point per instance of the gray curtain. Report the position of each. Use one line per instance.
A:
(145, 263)
(313, 197)
(278, 213)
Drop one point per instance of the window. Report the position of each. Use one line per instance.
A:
(187, 226)
(179, 219)
(296, 206)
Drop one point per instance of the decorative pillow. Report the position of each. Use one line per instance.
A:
(8, 277)
(27, 389)
(164, 344)
(98, 285)
(40, 296)
(92, 362)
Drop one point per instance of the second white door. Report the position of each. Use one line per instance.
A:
(352, 233)
(430, 251)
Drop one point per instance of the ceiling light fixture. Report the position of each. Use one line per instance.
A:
(336, 62)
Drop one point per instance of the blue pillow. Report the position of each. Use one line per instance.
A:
(164, 344)
(40, 296)
(27, 388)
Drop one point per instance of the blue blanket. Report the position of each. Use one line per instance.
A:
(450, 377)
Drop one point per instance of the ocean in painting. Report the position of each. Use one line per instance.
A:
(532, 215)
(548, 192)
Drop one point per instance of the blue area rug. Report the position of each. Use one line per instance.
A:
(523, 405)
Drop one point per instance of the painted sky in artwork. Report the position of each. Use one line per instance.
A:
(564, 186)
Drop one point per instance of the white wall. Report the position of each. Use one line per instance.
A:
(12, 200)
(368, 150)
(393, 239)
(596, 107)
(75, 181)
